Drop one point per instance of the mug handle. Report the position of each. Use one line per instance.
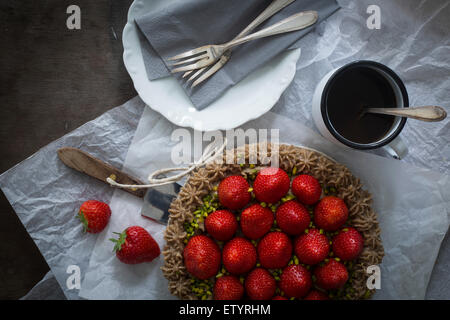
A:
(396, 148)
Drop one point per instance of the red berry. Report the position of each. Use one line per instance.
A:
(233, 192)
(94, 215)
(330, 213)
(312, 247)
(256, 221)
(307, 189)
(228, 288)
(275, 250)
(279, 298)
(221, 225)
(333, 275)
(260, 285)
(271, 184)
(348, 244)
(295, 281)
(292, 217)
(316, 295)
(135, 245)
(202, 257)
(239, 256)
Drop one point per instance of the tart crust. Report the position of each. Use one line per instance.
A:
(329, 173)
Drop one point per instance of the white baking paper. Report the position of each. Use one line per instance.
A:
(412, 205)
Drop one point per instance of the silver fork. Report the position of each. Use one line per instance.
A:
(272, 9)
(206, 55)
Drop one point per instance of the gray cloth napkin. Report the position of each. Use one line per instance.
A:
(182, 25)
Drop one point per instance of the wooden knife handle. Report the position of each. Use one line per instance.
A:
(96, 168)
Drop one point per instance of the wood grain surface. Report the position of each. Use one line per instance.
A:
(52, 80)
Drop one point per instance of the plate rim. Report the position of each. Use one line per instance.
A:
(183, 121)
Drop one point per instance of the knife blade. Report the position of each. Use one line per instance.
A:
(157, 200)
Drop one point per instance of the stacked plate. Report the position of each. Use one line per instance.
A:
(247, 100)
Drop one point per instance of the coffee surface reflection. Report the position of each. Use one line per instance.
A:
(352, 91)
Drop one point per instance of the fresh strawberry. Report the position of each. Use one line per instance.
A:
(348, 244)
(234, 192)
(202, 257)
(228, 288)
(274, 250)
(279, 298)
(307, 189)
(316, 295)
(292, 217)
(295, 281)
(333, 275)
(312, 247)
(256, 221)
(221, 225)
(260, 285)
(239, 256)
(94, 215)
(271, 184)
(330, 213)
(135, 245)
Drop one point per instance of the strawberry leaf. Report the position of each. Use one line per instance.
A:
(120, 241)
(83, 220)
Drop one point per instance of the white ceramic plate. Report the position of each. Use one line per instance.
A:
(247, 100)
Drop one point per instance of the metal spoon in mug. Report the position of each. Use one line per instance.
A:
(426, 113)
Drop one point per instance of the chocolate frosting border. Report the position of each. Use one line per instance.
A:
(330, 173)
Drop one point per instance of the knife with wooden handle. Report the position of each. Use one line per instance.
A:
(96, 168)
(157, 200)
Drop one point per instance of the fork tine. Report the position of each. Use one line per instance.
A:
(224, 59)
(196, 58)
(187, 73)
(188, 53)
(196, 74)
(198, 65)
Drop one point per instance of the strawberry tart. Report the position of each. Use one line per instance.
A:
(303, 230)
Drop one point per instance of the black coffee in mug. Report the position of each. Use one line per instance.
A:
(353, 90)
(342, 95)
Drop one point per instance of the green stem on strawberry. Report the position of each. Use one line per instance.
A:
(120, 241)
(83, 220)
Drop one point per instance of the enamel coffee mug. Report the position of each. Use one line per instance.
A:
(341, 97)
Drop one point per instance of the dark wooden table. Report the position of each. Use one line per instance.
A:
(52, 80)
